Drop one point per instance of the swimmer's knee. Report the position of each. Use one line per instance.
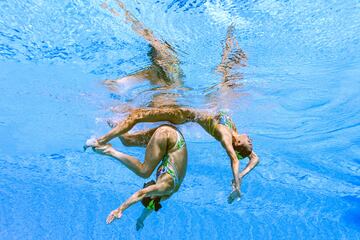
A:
(145, 172)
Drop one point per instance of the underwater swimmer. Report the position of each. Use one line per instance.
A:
(165, 146)
(220, 126)
(164, 69)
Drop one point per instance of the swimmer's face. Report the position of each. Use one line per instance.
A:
(242, 144)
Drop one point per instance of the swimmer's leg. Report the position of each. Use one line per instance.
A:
(155, 151)
(161, 55)
(137, 139)
(232, 56)
(123, 84)
(173, 115)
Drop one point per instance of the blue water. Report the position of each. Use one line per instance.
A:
(298, 99)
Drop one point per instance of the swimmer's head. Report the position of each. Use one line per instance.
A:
(151, 203)
(242, 144)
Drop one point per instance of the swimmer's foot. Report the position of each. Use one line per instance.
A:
(103, 149)
(91, 142)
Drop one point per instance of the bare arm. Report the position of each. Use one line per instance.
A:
(227, 144)
(153, 190)
(254, 160)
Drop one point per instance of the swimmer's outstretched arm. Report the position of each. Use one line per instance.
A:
(158, 189)
(254, 161)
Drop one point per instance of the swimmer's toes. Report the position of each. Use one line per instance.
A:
(102, 149)
(91, 142)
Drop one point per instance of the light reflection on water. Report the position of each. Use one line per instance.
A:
(297, 97)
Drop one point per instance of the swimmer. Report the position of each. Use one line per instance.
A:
(220, 126)
(233, 59)
(165, 146)
(165, 66)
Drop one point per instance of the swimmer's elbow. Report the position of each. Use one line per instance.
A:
(256, 161)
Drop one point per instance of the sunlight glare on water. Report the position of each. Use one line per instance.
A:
(297, 97)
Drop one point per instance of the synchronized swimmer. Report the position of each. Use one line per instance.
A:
(220, 126)
(165, 146)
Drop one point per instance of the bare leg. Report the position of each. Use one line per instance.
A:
(124, 83)
(233, 56)
(155, 151)
(173, 115)
(138, 139)
(150, 74)
(162, 55)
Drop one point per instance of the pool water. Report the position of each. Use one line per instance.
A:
(298, 98)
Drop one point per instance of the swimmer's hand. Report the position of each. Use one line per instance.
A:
(113, 215)
(105, 149)
(235, 194)
(91, 142)
(139, 224)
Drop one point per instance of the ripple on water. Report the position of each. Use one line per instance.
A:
(298, 97)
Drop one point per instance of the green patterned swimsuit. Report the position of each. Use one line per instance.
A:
(167, 164)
